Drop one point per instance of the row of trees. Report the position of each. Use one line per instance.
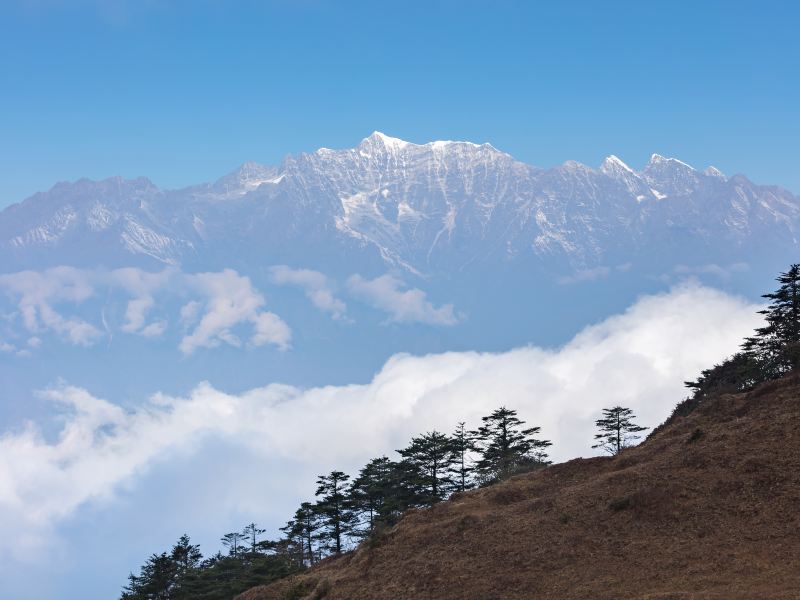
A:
(183, 573)
(346, 510)
(432, 467)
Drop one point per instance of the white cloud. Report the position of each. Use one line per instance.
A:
(639, 359)
(231, 301)
(227, 301)
(36, 292)
(386, 293)
(318, 288)
(142, 285)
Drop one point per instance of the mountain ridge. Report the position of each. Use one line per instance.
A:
(428, 209)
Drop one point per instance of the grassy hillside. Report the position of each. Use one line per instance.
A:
(707, 507)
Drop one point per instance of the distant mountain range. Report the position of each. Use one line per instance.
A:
(430, 209)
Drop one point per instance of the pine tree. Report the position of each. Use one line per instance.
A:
(251, 533)
(777, 343)
(403, 491)
(617, 429)
(304, 528)
(369, 493)
(156, 580)
(505, 447)
(334, 509)
(233, 542)
(462, 443)
(187, 559)
(431, 456)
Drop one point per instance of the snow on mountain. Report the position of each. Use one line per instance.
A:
(439, 207)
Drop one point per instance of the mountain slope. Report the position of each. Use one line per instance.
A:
(433, 208)
(708, 507)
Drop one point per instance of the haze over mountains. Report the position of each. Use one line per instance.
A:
(435, 209)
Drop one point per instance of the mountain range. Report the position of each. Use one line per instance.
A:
(429, 209)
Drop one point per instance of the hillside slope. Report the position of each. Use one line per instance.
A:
(709, 507)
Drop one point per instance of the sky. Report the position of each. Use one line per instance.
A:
(183, 92)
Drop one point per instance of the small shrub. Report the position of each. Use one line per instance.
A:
(300, 590)
(563, 518)
(321, 590)
(507, 496)
(466, 522)
(619, 504)
(696, 435)
(378, 536)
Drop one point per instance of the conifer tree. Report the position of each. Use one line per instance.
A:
(777, 343)
(251, 533)
(462, 443)
(307, 524)
(369, 493)
(505, 447)
(233, 542)
(293, 545)
(431, 457)
(617, 429)
(403, 491)
(187, 559)
(334, 509)
(156, 580)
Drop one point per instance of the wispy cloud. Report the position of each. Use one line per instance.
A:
(317, 287)
(639, 359)
(722, 272)
(389, 294)
(37, 292)
(223, 306)
(593, 274)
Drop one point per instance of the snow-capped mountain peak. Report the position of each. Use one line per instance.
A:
(437, 207)
(613, 164)
(657, 160)
(388, 142)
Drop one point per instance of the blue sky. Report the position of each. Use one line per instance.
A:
(184, 91)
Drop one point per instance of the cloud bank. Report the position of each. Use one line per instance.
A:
(639, 359)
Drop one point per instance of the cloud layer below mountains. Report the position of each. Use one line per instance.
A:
(216, 308)
(638, 358)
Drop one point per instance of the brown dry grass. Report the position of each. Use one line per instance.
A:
(709, 507)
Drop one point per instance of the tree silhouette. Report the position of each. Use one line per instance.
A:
(461, 443)
(156, 580)
(369, 493)
(333, 507)
(431, 456)
(505, 447)
(777, 343)
(233, 542)
(617, 429)
(251, 533)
